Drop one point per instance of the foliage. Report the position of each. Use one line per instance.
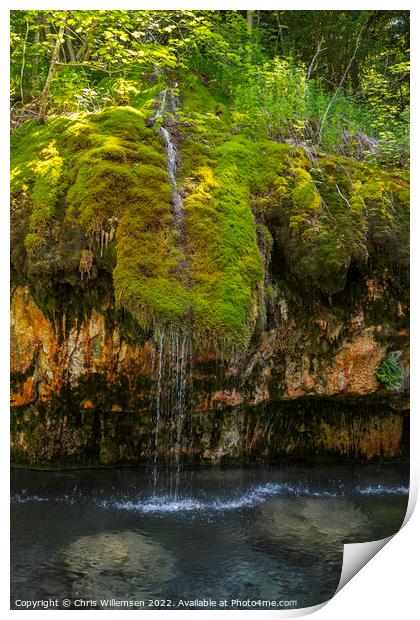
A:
(388, 94)
(347, 122)
(353, 39)
(390, 373)
(335, 77)
(273, 99)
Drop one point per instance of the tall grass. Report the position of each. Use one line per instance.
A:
(279, 100)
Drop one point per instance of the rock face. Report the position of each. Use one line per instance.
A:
(86, 393)
(248, 322)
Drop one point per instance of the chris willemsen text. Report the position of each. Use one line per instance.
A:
(112, 603)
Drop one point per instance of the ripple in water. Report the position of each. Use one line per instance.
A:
(236, 501)
(237, 533)
(257, 495)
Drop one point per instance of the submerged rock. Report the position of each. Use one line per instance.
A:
(129, 563)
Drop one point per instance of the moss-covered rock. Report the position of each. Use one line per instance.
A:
(329, 212)
(91, 207)
(226, 266)
(97, 196)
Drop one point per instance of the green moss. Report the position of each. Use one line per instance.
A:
(114, 183)
(226, 266)
(204, 108)
(99, 174)
(37, 161)
(330, 212)
(100, 192)
(90, 195)
(304, 195)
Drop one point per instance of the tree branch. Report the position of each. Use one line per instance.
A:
(70, 47)
(319, 49)
(43, 103)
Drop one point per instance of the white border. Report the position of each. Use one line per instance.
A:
(387, 586)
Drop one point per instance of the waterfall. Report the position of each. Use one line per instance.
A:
(180, 387)
(172, 400)
(168, 103)
(158, 396)
(173, 346)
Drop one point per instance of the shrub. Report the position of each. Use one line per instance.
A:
(274, 98)
(390, 373)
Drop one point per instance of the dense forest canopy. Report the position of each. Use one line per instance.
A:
(339, 79)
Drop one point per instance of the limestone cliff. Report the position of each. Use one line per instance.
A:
(184, 292)
(84, 392)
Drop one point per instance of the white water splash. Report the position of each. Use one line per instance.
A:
(169, 503)
(249, 499)
(381, 490)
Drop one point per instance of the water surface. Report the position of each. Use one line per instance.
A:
(216, 533)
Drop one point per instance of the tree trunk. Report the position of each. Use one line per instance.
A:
(250, 18)
(70, 48)
(22, 70)
(81, 51)
(86, 55)
(35, 65)
(43, 103)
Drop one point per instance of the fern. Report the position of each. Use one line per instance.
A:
(390, 373)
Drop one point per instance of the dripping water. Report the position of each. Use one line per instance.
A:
(179, 409)
(174, 347)
(172, 400)
(155, 473)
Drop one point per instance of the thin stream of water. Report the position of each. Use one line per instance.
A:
(175, 347)
(168, 103)
(172, 402)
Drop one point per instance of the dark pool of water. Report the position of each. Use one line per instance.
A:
(215, 533)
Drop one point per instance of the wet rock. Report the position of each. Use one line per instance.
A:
(84, 393)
